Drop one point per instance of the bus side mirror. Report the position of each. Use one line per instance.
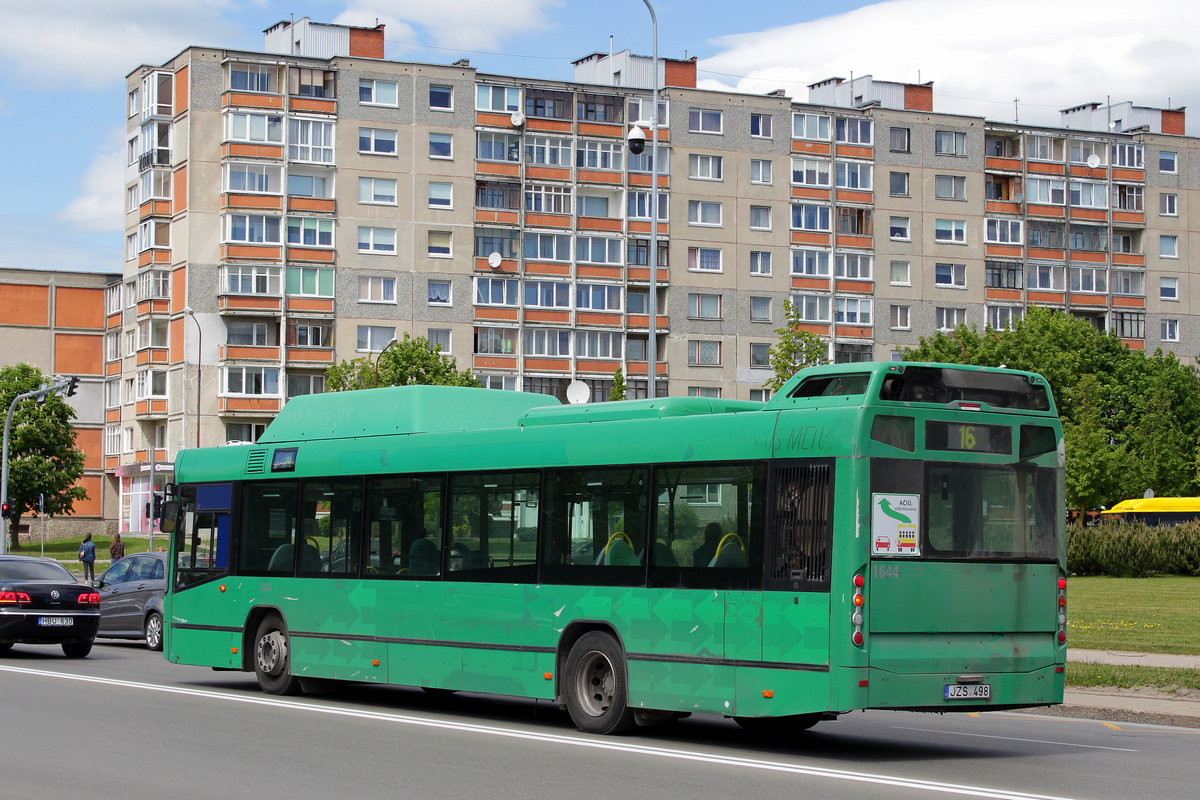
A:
(170, 515)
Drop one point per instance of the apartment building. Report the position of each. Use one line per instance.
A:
(313, 201)
(54, 321)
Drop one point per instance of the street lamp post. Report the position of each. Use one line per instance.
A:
(379, 357)
(652, 344)
(187, 310)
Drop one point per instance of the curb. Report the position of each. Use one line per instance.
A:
(1107, 714)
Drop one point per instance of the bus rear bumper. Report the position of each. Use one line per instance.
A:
(929, 692)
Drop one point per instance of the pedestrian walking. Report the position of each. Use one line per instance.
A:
(116, 550)
(87, 557)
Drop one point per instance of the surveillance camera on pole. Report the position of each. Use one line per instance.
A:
(636, 139)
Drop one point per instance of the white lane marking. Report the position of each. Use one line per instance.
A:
(1018, 739)
(594, 744)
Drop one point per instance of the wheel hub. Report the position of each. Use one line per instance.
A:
(272, 653)
(597, 684)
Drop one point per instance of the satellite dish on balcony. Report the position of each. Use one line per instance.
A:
(578, 393)
(1093, 161)
(494, 260)
(517, 119)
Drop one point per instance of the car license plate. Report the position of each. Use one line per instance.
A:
(56, 622)
(968, 691)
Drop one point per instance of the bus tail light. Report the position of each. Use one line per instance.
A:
(857, 617)
(1062, 610)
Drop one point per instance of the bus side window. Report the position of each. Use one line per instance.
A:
(595, 526)
(402, 523)
(268, 527)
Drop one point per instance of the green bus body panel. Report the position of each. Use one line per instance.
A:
(925, 692)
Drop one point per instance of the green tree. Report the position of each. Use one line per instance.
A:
(42, 457)
(795, 350)
(406, 362)
(619, 389)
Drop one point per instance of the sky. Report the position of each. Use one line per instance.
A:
(63, 65)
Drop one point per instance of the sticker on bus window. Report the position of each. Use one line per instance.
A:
(895, 521)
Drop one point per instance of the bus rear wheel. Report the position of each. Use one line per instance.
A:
(597, 685)
(271, 662)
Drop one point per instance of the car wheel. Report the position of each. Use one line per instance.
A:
(271, 662)
(597, 689)
(154, 630)
(76, 649)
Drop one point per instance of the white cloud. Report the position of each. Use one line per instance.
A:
(1052, 55)
(87, 43)
(464, 24)
(99, 204)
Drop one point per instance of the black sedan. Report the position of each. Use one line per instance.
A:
(41, 603)
(131, 598)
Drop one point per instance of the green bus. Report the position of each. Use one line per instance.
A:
(877, 535)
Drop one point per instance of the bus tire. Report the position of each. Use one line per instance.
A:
(777, 726)
(272, 664)
(597, 685)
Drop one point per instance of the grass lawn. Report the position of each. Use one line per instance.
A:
(67, 550)
(1131, 677)
(1148, 615)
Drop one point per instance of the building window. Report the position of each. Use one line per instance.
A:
(705, 259)
(711, 392)
(854, 175)
(310, 141)
(495, 292)
(853, 266)
(244, 431)
(947, 319)
(239, 177)
(310, 333)
(704, 353)
(810, 172)
(309, 281)
(703, 121)
(852, 311)
(760, 309)
(760, 171)
(1047, 234)
(1168, 246)
(548, 151)
(496, 341)
(1168, 288)
(899, 274)
(1003, 318)
(308, 185)
(639, 111)
(898, 228)
(760, 218)
(704, 306)
(760, 354)
(547, 246)
(1127, 198)
(259, 128)
(701, 167)
(950, 275)
(854, 131)
(547, 294)
(855, 221)
(441, 195)
(1129, 324)
(810, 126)
(547, 104)
(373, 338)
(1046, 190)
(376, 240)
(898, 184)
(901, 140)
(1129, 283)
(1167, 163)
(1083, 149)
(253, 229)
(492, 194)
(599, 344)
(1167, 205)
(112, 440)
(153, 284)
(599, 108)
(760, 262)
(1045, 276)
(702, 212)
(377, 93)
(505, 99)
(305, 82)
(437, 245)
(899, 318)
(547, 343)
(809, 217)
(599, 155)
(950, 143)
(811, 307)
(1089, 280)
(810, 262)
(1169, 330)
(378, 191)
(304, 384)
(546, 199)
(310, 232)
(1003, 275)
(950, 230)
(950, 187)
(597, 297)
(635, 349)
(376, 141)
(639, 204)
(441, 98)
(844, 353)
(1003, 231)
(438, 293)
(1088, 195)
(252, 380)
(497, 146)
(441, 145)
(594, 206)
(597, 250)
(252, 334)
(376, 290)
(1128, 155)
(760, 125)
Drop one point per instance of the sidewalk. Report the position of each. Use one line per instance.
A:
(1144, 706)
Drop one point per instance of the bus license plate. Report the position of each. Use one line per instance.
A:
(968, 691)
(56, 622)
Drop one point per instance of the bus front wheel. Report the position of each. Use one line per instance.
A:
(597, 685)
(271, 663)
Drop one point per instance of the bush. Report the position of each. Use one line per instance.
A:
(1133, 549)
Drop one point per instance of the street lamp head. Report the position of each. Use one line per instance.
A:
(636, 139)
(188, 310)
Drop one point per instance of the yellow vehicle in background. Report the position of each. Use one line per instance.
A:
(1155, 510)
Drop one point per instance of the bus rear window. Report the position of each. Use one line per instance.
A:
(832, 385)
(977, 511)
(948, 385)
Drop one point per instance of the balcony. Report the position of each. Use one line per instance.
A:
(158, 157)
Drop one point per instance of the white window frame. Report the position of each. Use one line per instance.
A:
(373, 334)
(852, 311)
(763, 123)
(377, 191)
(950, 231)
(501, 292)
(702, 167)
(760, 262)
(1173, 158)
(240, 127)
(697, 256)
(811, 126)
(760, 171)
(700, 213)
(899, 318)
(303, 144)
(1003, 231)
(1168, 247)
(1168, 204)
(700, 120)
(449, 92)
(1168, 289)
(704, 353)
(810, 171)
(948, 318)
(372, 87)
(266, 375)
(900, 229)
(376, 289)
(813, 307)
(811, 262)
(956, 141)
(824, 217)
(443, 197)
(1169, 330)
(547, 294)
(957, 275)
(857, 175)
(1089, 280)
(761, 212)
(373, 137)
(449, 142)
(509, 98)
(265, 221)
(376, 240)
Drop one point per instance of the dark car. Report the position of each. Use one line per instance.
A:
(41, 603)
(131, 598)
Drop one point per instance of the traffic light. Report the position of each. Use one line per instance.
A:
(158, 507)
(72, 385)
(6, 510)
